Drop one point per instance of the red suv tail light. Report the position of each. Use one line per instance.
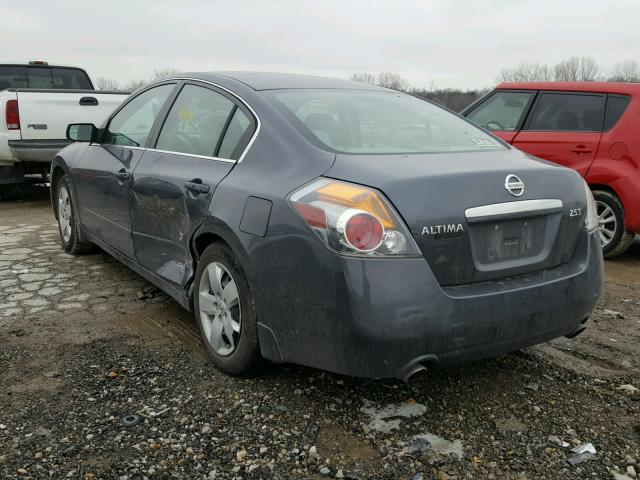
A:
(12, 115)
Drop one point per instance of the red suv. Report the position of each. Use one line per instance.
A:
(592, 127)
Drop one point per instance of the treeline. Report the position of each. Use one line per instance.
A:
(452, 98)
(573, 69)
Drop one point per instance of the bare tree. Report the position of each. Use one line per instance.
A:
(160, 73)
(107, 84)
(577, 69)
(134, 84)
(364, 77)
(627, 71)
(527, 72)
(393, 81)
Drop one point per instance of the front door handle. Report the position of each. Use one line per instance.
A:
(196, 186)
(581, 149)
(122, 175)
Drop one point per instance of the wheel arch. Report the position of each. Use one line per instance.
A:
(215, 231)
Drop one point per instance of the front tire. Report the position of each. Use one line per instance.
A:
(614, 238)
(67, 220)
(225, 313)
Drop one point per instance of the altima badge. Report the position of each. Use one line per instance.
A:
(443, 231)
(514, 185)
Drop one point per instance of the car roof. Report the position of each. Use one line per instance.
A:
(596, 87)
(276, 81)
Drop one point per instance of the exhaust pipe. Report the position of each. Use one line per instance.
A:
(418, 368)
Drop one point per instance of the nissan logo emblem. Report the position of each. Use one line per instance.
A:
(514, 185)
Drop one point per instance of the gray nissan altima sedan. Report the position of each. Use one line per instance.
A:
(332, 224)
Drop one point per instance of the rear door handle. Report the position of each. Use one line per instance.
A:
(92, 101)
(581, 149)
(122, 175)
(196, 186)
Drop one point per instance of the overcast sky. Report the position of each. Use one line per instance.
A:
(445, 43)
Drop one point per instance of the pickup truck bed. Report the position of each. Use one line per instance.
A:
(44, 116)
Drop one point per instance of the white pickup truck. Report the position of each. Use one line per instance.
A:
(37, 102)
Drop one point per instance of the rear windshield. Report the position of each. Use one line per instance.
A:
(371, 122)
(19, 76)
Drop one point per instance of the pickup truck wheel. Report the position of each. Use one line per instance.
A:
(67, 220)
(224, 310)
(614, 238)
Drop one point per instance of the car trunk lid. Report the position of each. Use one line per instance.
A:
(467, 224)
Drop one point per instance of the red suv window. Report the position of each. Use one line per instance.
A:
(568, 112)
(616, 105)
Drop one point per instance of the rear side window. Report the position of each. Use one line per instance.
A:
(195, 122)
(616, 105)
(236, 136)
(502, 111)
(568, 112)
(132, 124)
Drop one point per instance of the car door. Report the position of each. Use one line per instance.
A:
(502, 112)
(203, 135)
(103, 177)
(565, 128)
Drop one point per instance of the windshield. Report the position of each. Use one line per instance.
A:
(373, 122)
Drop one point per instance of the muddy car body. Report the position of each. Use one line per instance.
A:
(332, 224)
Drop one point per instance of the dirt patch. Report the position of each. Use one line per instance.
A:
(344, 448)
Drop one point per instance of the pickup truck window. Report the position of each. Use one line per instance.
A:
(132, 124)
(16, 76)
(502, 111)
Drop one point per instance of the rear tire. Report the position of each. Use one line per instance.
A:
(225, 312)
(613, 236)
(68, 223)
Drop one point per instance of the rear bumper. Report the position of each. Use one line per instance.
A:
(392, 315)
(36, 150)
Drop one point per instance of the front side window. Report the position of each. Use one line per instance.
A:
(131, 125)
(569, 112)
(196, 122)
(377, 122)
(502, 111)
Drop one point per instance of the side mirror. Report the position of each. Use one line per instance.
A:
(81, 132)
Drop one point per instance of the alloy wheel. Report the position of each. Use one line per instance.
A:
(219, 306)
(607, 223)
(64, 213)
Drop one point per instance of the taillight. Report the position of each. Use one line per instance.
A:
(12, 115)
(353, 219)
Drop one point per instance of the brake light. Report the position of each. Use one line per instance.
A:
(361, 230)
(12, 115)
(38, 62)
(353, 219)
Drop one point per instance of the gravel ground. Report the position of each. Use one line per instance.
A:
(103, 377)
